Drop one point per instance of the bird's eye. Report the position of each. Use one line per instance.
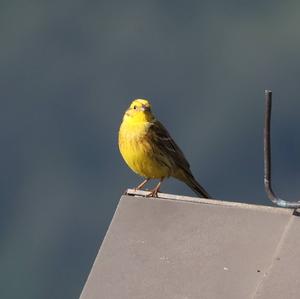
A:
(134, 107)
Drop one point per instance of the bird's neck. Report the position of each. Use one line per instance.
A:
(138, 120)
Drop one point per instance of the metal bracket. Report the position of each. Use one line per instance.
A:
(267, 158)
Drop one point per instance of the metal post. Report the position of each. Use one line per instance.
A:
(267, 158)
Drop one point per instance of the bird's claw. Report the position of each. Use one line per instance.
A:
(153, 193)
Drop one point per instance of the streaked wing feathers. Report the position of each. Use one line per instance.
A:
(165, 144)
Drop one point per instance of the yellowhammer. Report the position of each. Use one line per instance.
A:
(149, 150)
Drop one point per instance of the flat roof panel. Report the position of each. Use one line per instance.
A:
(282, 280)
(176, 248)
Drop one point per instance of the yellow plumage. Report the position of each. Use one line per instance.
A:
(149, 151)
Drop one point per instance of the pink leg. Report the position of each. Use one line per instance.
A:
(141, 185)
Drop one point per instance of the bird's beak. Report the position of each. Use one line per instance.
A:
(145, 108)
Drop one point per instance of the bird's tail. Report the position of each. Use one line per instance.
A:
(189, 179)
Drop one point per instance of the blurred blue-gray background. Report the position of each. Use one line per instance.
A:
(68, 71)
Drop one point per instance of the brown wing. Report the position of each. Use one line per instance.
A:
(169, 153)
(166, 145)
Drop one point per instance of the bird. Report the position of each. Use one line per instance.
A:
(149, 150)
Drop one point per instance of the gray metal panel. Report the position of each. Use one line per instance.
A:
(283, 278)
(177, 249)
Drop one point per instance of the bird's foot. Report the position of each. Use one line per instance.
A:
(153, 193)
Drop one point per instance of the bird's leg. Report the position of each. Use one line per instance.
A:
(141, 185)
(154, 191)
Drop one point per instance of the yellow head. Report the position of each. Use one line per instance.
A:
(139, 111)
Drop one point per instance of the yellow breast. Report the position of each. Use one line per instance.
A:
(138, 151)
